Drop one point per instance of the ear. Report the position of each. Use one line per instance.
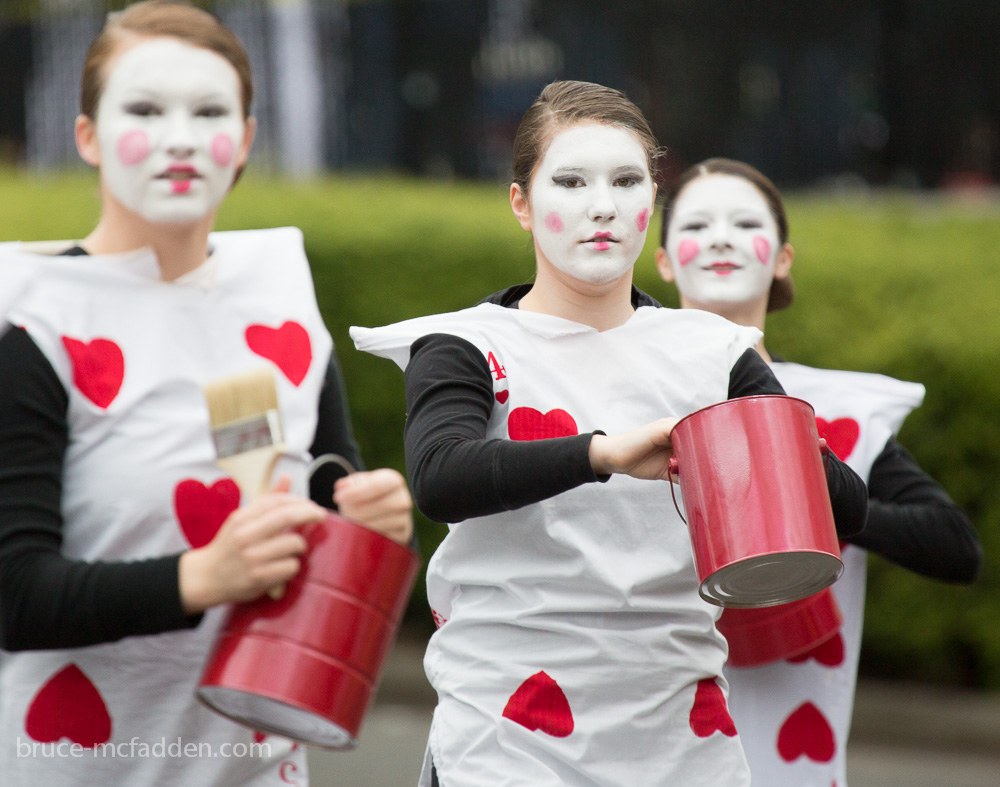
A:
(85, 133)
(521, 207)
(249, 134)
(783, 265)
(663, 265)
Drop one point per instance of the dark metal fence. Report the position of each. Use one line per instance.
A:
(903, 92)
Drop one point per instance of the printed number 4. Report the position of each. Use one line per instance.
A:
(495, 367)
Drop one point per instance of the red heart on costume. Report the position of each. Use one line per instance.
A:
(841, 434)
(69, 706)
(527, 423)
(98, 368)
(288, 347)
(539, 704)
(439, 619)
(829, 653)
(806, 732)
(201, 509)
(502, 396)
(709, 713)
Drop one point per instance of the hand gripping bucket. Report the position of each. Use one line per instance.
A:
(758, 510)
(769, 634)
(305, 666)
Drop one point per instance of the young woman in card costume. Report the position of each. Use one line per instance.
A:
(121, 541)
(572, 647)
(725, 246)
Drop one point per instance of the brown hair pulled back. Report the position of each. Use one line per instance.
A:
(566, 103)
(782, 290)
(155, 18)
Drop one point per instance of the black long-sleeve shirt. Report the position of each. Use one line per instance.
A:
(456, 473)
(49, 601)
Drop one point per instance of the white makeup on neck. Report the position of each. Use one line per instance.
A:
(169, 125)
(591, 199)
(722, 241)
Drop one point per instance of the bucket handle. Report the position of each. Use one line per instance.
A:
(277, 591)
(825, 450)
(674, 469)
(326, 459)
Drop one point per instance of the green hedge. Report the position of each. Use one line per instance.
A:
(901, 285)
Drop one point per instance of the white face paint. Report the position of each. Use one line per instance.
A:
(722, 241)
(169, 126)
(591, 199)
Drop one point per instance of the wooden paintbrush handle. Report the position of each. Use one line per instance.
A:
(251, 470)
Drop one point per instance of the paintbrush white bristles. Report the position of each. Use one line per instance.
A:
(246, 427)
(241, 396)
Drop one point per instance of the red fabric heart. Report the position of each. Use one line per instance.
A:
(830, 653)
(539, 704)
(841, 434)
(439, 619)
(69, 706)
(98, 368)
(709, 713)
(806, 731)
(288, 347)
(502, 396)
(201, 509)
(527, 423)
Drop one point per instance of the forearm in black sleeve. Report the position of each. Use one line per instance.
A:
(47, 601)
(751, 376)
(334, 435)
(454, 471)
(913, 522)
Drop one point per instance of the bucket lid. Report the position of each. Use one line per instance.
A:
(275, 717)
(772, 579)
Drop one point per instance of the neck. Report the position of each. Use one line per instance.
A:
(179, 248)
(751, 314)
(601, 306)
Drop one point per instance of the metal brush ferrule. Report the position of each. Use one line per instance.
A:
(259, 431)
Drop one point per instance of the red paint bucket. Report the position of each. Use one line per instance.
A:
(305, 666)
(761, 636)
(758, 509)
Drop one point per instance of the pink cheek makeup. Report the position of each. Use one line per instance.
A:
(222, 150)
(763, 249)
(642, 220)
(687, 250)
(554, 222)
(133, 147)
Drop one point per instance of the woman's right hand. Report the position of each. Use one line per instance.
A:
(255, 550)
(644, 452)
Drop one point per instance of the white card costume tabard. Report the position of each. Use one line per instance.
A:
(140, 480)
(794, 716)
(573, 646)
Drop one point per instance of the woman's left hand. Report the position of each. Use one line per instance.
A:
(378, 499)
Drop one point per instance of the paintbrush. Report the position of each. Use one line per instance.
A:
(246, 430)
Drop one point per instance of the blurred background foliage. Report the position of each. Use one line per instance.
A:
(902, 284)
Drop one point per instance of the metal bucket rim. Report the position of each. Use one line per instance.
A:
(741, 399)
